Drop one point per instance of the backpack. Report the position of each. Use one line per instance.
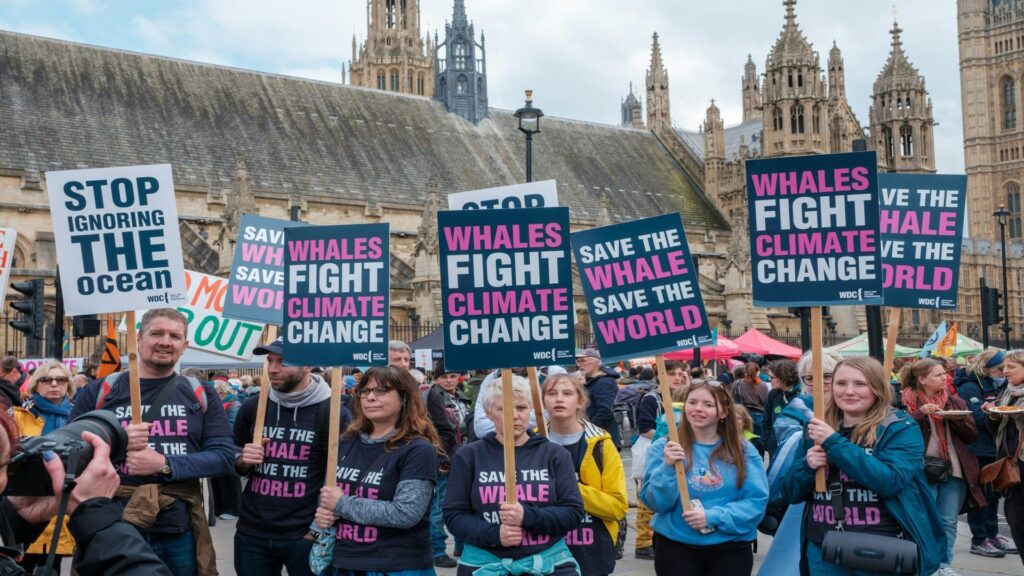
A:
(108, 383)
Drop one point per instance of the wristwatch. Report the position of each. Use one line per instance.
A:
(166, 470)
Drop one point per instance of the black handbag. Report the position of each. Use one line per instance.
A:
(863, 550)
(937, 469)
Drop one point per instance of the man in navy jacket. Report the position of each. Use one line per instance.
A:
(601, 390)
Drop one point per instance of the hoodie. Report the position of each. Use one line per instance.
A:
(976, 390)
(545, 484)
(601, 389)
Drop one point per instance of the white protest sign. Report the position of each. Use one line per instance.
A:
(532, 195)
(117, 237)
(8, 238)
(424, 358)
(72, 364)
(208, 328)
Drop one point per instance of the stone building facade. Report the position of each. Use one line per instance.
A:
(395, 56)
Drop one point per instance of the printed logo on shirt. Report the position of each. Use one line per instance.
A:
(703, 479)
(285, 467)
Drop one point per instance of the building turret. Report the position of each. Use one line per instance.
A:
(659, 116)
(461, 80)
(751, 91)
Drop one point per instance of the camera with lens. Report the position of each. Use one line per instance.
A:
(26, 473)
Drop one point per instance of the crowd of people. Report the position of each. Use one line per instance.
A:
(420, 477)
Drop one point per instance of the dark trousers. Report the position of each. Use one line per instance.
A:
(227, 494)
(177, 551)
(673, 558)
(256, 556)
(1014, 510)
(984, 522)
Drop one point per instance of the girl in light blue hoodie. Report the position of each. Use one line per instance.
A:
(726, 479)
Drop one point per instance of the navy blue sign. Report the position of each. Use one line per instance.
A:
(814, 230)
(256, 284)
(922, 226)
(506, 286)
(336, 295)
(642, 289)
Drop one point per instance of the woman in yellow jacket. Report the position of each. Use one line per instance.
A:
(599, 470)
(46, 409)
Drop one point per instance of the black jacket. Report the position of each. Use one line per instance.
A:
(602, 389)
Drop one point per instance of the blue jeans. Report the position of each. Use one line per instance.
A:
(256, 556)
(818, 567)
(437, 533)
(949, 498)
(177, 551)
(343, 572)
(984, 522)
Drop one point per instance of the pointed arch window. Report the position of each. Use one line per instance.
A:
(816, 119)
(460, 55)
(381, 80)
(906, 140)
(777, 118)
(1013, 205)
(460, 84)
(890, 152)
(796, 119)
(390, 16)
(1009, 98)
(419, 84)
(395, 86)
(443, 87)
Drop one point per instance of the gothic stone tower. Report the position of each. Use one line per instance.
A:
(751, 87)
(394, 57)
(461, 81)
(901, 115)
(632, 110)
(659, 116)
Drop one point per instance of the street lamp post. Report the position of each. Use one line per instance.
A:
(529, 124)
(1003, 217)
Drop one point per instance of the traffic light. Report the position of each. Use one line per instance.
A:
(86, 326)
(31, 307)
(991, 306)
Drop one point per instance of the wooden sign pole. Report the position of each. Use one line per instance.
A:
(261, 403)
(337, 386)
(817, 350)
(890, 344)
(673, 431)
(508, 406)
(134, 388)
(538, 401)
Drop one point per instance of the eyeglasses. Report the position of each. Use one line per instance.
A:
(809, 379)
(53, 379)
(377, 391)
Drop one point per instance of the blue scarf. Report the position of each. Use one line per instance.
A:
(54, 415)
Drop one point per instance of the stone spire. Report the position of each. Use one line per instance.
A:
(792, 48)
(426, 282)
(751, 91)
(658, 113)
(461, 79)
(604, 218)
(632, 110)
(714, 150)
(836, 73)
(237, 202)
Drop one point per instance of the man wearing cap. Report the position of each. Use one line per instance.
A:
(456, 406)
(601, 389)
(285, 471)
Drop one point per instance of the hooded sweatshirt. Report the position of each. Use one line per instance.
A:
(282, 494)
(545, 484)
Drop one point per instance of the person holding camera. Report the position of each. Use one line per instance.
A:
(183, 438)
(285, 471)
(47, 409)
(106, 544)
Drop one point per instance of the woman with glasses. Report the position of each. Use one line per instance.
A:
(46, 409)
(528, 537)
(723, 472)
(872, 455)
(387, 467)
(1006, 419)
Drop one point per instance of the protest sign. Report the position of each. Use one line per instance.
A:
(424, 359)
(641, 287)
(922, 224)
(30, 364)
(336, 298)
(8, 239)
(531, 195)
(506, 288)
(117, 237)
(257, 270)
(814, 230)
(208, 328)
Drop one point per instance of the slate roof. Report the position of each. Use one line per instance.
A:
(749, 131)
(65, 105)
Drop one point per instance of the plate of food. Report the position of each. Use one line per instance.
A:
(953, 412)
(1006, 409)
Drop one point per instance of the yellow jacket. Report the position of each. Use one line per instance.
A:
(31, 425)
(604, 489)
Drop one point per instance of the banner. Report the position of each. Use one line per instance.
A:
(922, 225)
(110, 358)
(506, 288)
(642, 290)
(814, 230)
(118, 244)
(257, 270)
(8, 239)
(208, 328)
(532, 195)
(336, 298)
(72, 364)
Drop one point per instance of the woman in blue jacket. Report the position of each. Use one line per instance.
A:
(724, 472)
(875, 455)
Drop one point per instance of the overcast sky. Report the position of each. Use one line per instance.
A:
(579, 56)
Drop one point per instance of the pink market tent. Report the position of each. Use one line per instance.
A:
(723, 350)
(754, 341)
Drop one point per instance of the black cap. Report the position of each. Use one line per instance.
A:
(439, 369)
(275, 347)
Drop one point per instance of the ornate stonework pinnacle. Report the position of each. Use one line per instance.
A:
(896, 31)
(790, 10)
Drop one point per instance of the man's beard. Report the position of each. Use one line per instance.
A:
(287, 385)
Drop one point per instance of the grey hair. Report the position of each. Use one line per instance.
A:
(829, 360)
(399, 346)
(494, 392)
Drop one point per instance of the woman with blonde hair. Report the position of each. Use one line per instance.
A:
(602, 480)
(1009, 431)
(873, 458)
(47, 408)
